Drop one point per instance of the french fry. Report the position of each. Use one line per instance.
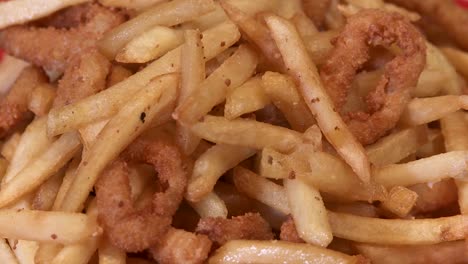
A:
(106, 103)
(232, 73)
(89, 133)
(3, 167)
(305, 73)
(397, 146)
(9, 147)
(44, 166)
(167, 14)
(284, 95)
(110, 254)
(145, 109)
(247, 133)
(6, 254)
(10, 69)
(431, 169)
(437, 254)
(44, 197)
(211, 165)
(150, 45)
(333, 18)
(261, 189)
(248, 251)
(210, 206)
(192, 75)
(20, 11)
(246, 98)
(305, 26)
(398, 231)
(66, 183)
(54, 227)
(319, 45)
(288, 9)
(46, 253)
(458, 58)
(117, 74)
(80, 253)
(308, 212)
(400, 201)
(41, 99)
(424, 110)
(135, 4)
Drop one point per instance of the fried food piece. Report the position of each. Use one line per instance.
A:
(249, 226)
(435, 196)
(14, 106)
(316, 10)
(128, 228)
(447, 14)
(289, 231)
(52, 47)
(179, 246)
(369, 28)
(85, 75)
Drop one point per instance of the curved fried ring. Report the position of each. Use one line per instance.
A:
(128, 228)
(52, 47)
(367, 28)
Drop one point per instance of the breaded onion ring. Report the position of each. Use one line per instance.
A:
(52, 47)
(372, 27)
(128, 228)
(289, 233)
(248, 226)
(14, 106)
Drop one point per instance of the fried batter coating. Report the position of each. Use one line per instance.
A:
(85, 75)
(14, 106)
(128, 228)
(446, 13)
(179, 246)
(373, 27)
(52, 47)
(289, 232)
(248, 226)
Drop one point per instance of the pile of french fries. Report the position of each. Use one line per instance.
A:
(209, 69)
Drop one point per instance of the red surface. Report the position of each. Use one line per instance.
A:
(462, 3)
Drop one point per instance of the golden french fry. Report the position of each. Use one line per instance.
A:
(89, 133)
(457, 58)
(210, 206)
(248, 251)
(41, 168)
(437, 254)
(135, 4)
(211, 165)
(66, 183)
(284, 95)
(305, 26)
(232, 73)
(319, 45)
(398, 231)
(6, 254)
(110, 254)
(166, 14)
(55, 227)
(150, 45)
(425, 110)
(397, 146)
(308, 212)
(21, 11)
(305, 73)
(400, 201)
(3, 167)
(41, 99)
(10, 69)
(44, 197)
(106, 103)
(192, 75)
(246, 98)
(8, 149)
(145, 109)
(261, 189)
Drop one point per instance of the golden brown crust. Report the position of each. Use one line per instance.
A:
(248, 226)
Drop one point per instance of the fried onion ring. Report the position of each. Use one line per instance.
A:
(372, 27)
(14, 106)
(248, 226)
(52, 47)
(128, 228)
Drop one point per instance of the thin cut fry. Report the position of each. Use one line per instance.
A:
(192, 75)
(66, 183)
(458, 58)
(247, 133)
(246, 98)
(319, 45)
(10, 69)
(145, 109)
(248, 251)
(232, 73)
(135, 4)
(166, 14)
(210, 206)
(397, 231)
(211, 165)
(9, 147)
(150, 45)
(41, 99)
(56, 227)
(6, 254)
(45, 195)
(54, 158)
(308, 212)
(3, 167)
(305, 73)
(21, 11)
(108, 102)
(109, 254)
